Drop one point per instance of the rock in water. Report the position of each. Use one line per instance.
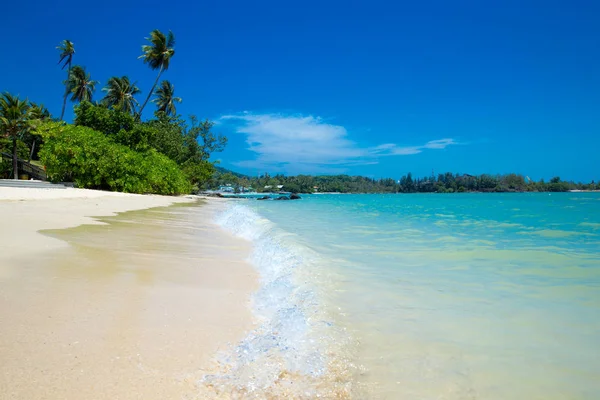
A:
(282, 198)
(294, 196)
(263, 198)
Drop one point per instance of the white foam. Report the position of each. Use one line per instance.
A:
(294, 335)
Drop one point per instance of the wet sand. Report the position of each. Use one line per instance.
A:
(133, 306)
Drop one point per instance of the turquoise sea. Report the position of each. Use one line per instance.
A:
(424, 296)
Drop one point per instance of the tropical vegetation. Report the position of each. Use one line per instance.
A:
(108, 146)
(442, 183)
(80, 84)
(165, 98)
(91, 159)
(120, 94)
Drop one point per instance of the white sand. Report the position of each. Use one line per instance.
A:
(130, 310)
(24, 211)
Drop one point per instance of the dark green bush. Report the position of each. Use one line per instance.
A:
(92, 160)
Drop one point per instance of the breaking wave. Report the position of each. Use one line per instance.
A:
(297, 350)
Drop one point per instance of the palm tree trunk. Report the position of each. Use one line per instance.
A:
(15, 159)
(139, 115)
(62, 114)
(32, 150)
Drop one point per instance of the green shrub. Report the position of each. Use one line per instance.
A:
(92, 160)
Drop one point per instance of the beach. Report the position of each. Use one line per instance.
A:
(115, 296)
(112, 296)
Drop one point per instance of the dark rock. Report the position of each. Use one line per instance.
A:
(282, 198)
(294, 196)
(263, 198)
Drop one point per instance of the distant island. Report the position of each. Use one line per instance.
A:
(442, 183)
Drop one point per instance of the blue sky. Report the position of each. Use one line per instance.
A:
(360, 87)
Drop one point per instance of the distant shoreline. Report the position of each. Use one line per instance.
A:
(226, 195)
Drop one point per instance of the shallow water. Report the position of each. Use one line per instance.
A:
(464, 296)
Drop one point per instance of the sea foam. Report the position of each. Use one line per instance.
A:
(297, 350)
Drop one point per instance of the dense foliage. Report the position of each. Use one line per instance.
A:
(189, 145)
(93, 160)
(442, 183)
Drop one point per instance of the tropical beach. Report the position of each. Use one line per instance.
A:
(112, 295)
(315, 200)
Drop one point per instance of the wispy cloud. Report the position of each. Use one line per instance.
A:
(307, 144)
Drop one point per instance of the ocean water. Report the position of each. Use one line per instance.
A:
(462, 296)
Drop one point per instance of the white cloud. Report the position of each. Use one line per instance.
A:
(307, 144)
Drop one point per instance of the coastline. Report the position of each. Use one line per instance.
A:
(103, 306)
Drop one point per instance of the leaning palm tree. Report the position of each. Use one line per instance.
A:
(67, 49)
(119, 94)
(165, 98)
(14, 122)
(157, 55)
(80, 84)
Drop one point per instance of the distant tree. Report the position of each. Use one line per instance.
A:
(158, 56)
(486, 183)
(120, 94)
(201, 134)
(80, 84)
(165, 98)
(228, 179)
(514, 182)
(556, 185)
(67, 49)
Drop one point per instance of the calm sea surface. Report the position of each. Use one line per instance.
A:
(462, 296)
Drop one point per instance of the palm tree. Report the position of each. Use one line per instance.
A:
(37, 114)
(119, 94)
(165, 99)
(14, 122)
(80, 84)
(157, 55)
(67, 49)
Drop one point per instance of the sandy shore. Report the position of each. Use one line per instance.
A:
(133, 306)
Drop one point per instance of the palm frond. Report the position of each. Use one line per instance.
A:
(120, 94)
(80, 84)
(158, 53)
(66, 49)
(14, 115)
(165, 98)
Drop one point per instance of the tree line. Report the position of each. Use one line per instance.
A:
(108, 146)
(441, 183)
